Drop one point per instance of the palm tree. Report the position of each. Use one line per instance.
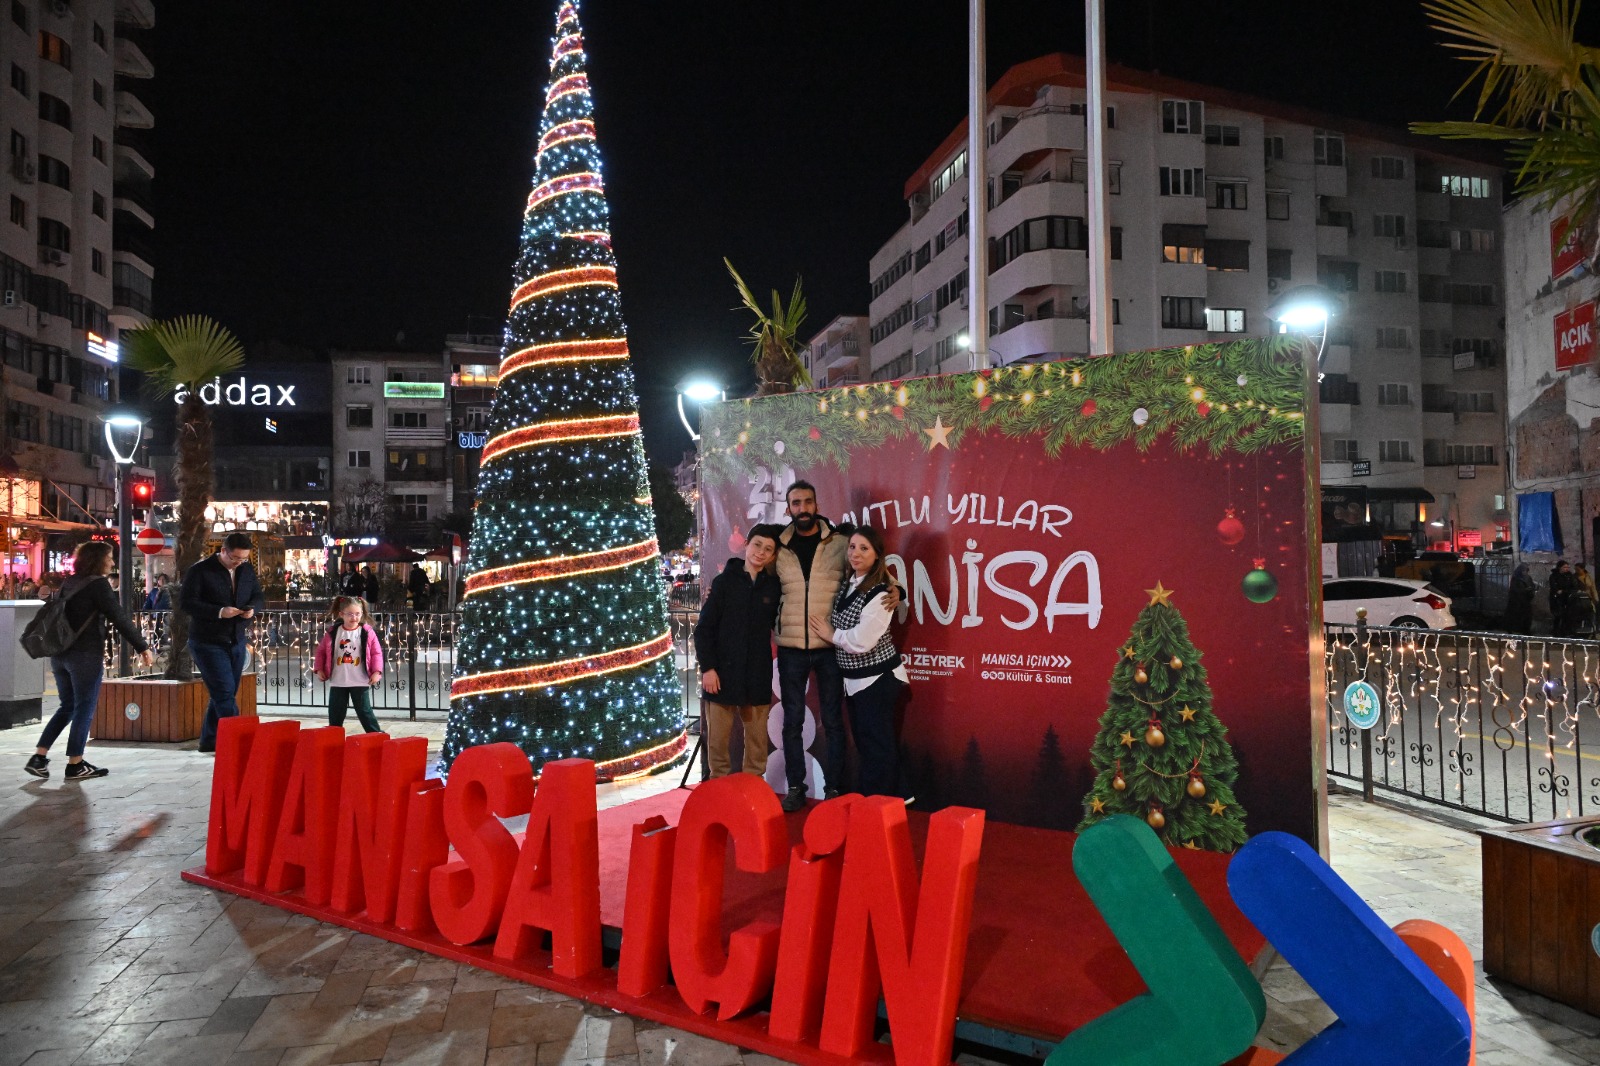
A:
(1539, 95)
(778, 365)
(186, 353)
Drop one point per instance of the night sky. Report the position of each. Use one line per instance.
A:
(334, 174)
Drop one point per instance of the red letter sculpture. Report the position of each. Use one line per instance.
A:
(739, 808)
(556, 885)
(468, 892)
(247, 784)
(302, 854)
(379, 777)
(888, 933)
(642, 965)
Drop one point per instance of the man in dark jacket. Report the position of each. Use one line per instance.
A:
(417, 585)
(733, 644)
(221, 596)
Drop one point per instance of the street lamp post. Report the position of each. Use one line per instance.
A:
(124, 432)
(697, 390)
(1304, 309)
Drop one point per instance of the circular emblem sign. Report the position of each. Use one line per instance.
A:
(1361, 705)
(150, 541)
(132, 712)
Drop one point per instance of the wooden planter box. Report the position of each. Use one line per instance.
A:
(157, 710)
(1541, 901)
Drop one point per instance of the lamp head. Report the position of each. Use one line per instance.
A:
(124, 432)
(700, 390)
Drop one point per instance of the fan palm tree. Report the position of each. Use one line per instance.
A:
(1538, 93)
(186, 353)
(776, 358)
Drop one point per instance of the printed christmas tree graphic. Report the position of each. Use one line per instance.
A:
(1161, 753)
(564, 647)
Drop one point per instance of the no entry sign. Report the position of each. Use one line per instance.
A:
(150, 541)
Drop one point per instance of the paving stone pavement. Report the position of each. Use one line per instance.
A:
(106, 956)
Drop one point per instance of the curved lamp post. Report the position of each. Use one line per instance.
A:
(1307, 309)
(697, 390)
(124, 434)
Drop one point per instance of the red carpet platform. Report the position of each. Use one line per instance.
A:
(1040, 961)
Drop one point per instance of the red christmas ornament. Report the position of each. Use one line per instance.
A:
(814, 433)
(899, 412)
(1230, 530)
(1202, 408)
(736, 541)
(739, 448)
(986, 403)
(1088, 409)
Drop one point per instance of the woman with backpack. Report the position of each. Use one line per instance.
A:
(88, 603)
(350, 658)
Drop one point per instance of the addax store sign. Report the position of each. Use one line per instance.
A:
(241, 393)
(1033, 513)
(1575, 337)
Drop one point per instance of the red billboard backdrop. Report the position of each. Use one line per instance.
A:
(1029, 512)
(1574, 331)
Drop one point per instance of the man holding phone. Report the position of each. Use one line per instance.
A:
(221, 595)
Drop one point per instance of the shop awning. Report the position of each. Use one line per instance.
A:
(49, 525)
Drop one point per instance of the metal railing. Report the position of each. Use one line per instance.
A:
(1496, 725)
(418, 651)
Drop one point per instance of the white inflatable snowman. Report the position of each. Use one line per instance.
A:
(777, 773)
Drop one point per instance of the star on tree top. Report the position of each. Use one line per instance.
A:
(1160, 595)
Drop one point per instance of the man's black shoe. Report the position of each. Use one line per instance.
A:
(794, 799)
(38, 766)
(830, 793)
(206, 749)
(83, 771)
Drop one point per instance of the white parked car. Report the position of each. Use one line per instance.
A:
(1390, 601)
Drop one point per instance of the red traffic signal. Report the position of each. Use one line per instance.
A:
(141, 490)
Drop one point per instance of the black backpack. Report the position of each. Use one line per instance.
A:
(50, 633)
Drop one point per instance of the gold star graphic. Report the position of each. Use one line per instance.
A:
(1217, 807)
(1097, 805)
(938, 434)
(1191, 845)
(1187, 713)
(1159, 595)
(1127, 740)
(1127, 653)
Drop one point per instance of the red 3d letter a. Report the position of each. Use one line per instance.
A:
(468, 892)
(912, 942)
(247, 786)
(740, 809)
(556, 885)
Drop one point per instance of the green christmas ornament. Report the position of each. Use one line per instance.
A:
(1258, 585)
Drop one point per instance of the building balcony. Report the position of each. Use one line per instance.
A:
(131, 112)
(141, 14)
(415, 435)
(1036, 201)
(1032, 271)
(1331, 180)
(130, 61)
(135, 206)
(1038, 129)
(54, 257)
(131, 164)
(1053, 337)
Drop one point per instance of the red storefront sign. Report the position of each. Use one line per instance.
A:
(1575, 337)
(1566, 253)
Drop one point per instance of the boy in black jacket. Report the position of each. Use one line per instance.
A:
(733, 643)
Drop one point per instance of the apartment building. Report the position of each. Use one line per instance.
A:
(1219, 205)
(390, 434)
(75, 263)
(474, 360)
(839, 354)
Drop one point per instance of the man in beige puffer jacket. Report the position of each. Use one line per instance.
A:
(811, 566)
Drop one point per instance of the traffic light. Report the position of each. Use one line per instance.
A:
(141, 493)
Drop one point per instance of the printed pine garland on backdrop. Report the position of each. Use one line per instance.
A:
(1161, 753)
(1240, 396)
(564, 647)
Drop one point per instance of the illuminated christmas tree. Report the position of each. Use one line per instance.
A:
(1162, 754)
(564, 647)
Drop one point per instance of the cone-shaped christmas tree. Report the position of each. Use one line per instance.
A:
(1161, 754)
(564, 647)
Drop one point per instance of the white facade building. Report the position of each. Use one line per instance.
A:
(75, 263)
(1219, 204)
(391, 424)
(839, 354)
